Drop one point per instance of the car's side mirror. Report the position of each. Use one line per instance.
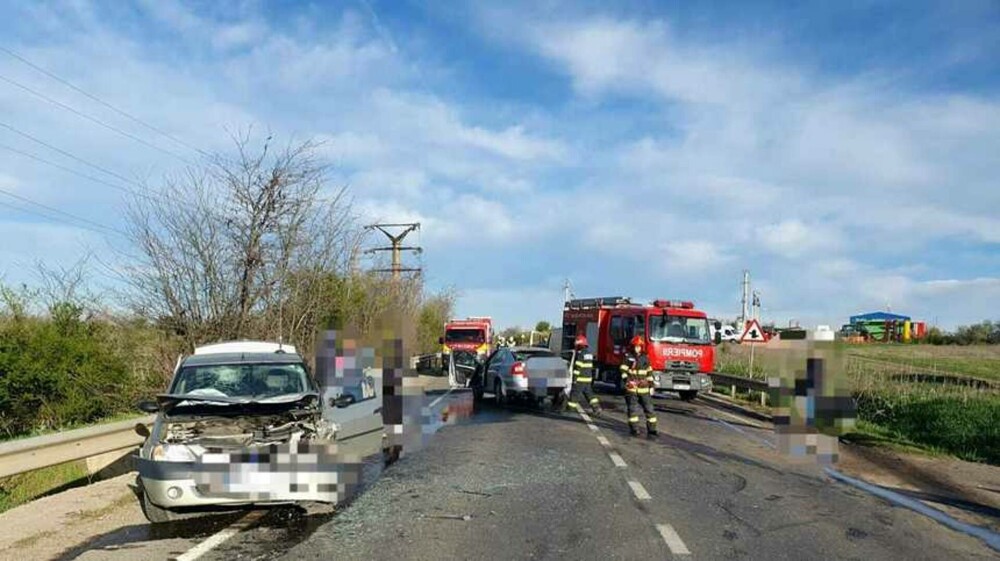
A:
(148, 406)
(718, 325)
(142, 430)
(342, 400)
(718, 338)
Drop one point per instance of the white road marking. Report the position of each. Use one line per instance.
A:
(215, 540)
(617, 460)
(593, 427)
(739, 419)
(674, 541)
(764, 441)
(639, 491)
(444, 395)
(604, 441)
(585, 416)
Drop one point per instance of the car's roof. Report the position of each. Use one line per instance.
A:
(522, 349)
(242, 358)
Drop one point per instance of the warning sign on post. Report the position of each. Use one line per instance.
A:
(752, 333)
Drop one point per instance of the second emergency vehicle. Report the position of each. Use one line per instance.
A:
(473, 335)
(678, 340)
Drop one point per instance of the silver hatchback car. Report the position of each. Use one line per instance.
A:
(243, 424)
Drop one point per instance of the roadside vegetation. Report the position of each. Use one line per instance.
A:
(251, 245)
(943, 398)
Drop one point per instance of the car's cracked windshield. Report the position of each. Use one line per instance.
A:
(253, 381)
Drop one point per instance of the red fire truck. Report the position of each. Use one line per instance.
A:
(677, 336)
(470, 336)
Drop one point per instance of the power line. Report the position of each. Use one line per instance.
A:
(94, 119)
(64, 168)
(99, 228)
(121, 112)
(78, 159)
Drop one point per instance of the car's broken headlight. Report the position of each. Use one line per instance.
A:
(172, 453)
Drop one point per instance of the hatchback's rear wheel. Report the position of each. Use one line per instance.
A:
(498, 397)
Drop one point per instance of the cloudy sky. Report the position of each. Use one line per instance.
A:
(848, 157)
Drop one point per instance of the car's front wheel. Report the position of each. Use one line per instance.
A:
(156, 514)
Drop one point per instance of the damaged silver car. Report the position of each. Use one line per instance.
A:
(244, 424)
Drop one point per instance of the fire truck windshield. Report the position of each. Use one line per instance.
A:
(464, 336)
(679, 329)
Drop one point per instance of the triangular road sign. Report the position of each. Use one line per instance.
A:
(752, 333)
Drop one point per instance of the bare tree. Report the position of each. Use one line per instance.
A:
(222, 251)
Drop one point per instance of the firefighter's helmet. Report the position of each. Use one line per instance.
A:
(637, 342)
(580, 342)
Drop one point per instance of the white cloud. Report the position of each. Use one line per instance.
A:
(518, 306)
(691, 256)
(795, 238)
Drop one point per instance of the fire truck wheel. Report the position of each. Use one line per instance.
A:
(688, 395)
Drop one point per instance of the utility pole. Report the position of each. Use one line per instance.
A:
(567, 291)
(745, 310)
(396, 234)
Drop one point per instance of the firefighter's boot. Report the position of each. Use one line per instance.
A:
(651, 427)
(633, 430)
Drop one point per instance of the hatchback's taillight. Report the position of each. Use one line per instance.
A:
(517, 369)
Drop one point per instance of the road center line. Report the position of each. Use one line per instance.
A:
(217, 539)
(585, 416)
(617, 460)
(593, 427)
(674, 541)
(639, 491)
(604, 441)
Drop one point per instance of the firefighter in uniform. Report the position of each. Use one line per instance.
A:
(638, 378)
(583, 375)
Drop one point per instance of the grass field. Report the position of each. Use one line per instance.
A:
(977, 361)
(947, 413)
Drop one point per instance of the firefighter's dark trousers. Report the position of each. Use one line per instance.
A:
(582, 395)
(633, 400)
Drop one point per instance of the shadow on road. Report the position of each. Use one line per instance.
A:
(129, 537)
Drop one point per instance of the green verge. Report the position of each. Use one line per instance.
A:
(19, 489)
(965, 426)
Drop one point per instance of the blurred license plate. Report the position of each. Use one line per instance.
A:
(682, 386)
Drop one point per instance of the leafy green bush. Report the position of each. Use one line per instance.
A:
(62, 370)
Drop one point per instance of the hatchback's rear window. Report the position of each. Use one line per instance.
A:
(525, 355)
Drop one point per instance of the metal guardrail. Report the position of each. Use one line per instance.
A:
(20, 456)
(739, 382)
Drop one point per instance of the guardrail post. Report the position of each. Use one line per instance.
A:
(763, 399)
(733, 391)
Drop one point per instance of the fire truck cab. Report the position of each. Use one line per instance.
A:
(472, 336)
(678, 340)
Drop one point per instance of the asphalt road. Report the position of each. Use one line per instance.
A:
(525, 484)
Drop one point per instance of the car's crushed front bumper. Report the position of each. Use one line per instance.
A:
(271, 474)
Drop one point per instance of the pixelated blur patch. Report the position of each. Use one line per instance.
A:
(812, 403)
(304, 471)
